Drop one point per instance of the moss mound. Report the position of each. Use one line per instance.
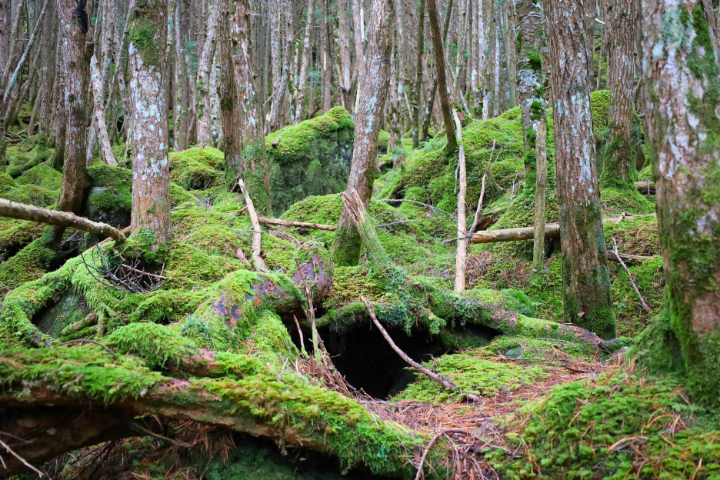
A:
(310, 158)
(197, 168)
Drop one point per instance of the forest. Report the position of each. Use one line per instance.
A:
(359, 239)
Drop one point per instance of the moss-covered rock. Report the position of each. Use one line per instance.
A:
(310, 158)
(197, 168)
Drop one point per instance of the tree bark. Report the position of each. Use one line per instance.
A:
(586, 281)
(149, 116)
(681, 99)
(345, 61)
(440, 71)
(540, 187)
(203, 85)
(417, 88)
(618, 166)
(279, 100)
(374, 81)
(180, 112)
(253, 166)
(98, 80)
(76, 66)
(461, 254)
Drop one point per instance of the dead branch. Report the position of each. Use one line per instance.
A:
(125, 277)
(418, 203)
(646, 188)
(288, 223)
(22, 460)
(632, 280)
(416, 366)
(21, 211)
(257, 232)
(84, 340)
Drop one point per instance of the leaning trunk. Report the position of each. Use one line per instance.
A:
(374, 81)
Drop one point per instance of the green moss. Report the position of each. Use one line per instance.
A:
(28, 264)
(568, 434)
(196, 168)
(32, 195)
(143, 30)
(310, 158)
(42, 176)
(157, 345)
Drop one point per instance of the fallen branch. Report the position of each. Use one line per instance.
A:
(632, 280)
(419, 203)
(258, 262)
(21, 211)
(552, 230)
(646, 188)
(288, 223)
(22, 460)
(416, 366)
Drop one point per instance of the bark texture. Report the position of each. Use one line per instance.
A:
(681, 99)
(618, 166)
(440, 72)
(374, 81)
(586, 281)
(203, 87)
(149, 117)
(76, 65)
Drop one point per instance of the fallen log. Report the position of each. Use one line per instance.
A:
(288, 223)
(552, 230)
(32, 213)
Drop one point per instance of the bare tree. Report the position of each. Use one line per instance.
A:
(374, 81)
(203, 85)
(305, 63)
(586, 281)
(440, 72)
(151, 170)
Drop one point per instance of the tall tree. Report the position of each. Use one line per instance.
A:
(252, 166)
(76, 53)
(586, 282)
(345, 63)
(374, 81)
(305, 62)
(440, 72)
(681, 99)
(148, 90)
(182, 90)
(203, 86)
(530, 76)
(417, 88)
(618, 166)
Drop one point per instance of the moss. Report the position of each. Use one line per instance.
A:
(28, 264)
(32, 195)
(310, 158)
(17, 234)
(157, 345)
(144, 29)
(41, 176)
(570, 432)
(196, 168)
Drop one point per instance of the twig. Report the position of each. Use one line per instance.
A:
(84, 340)
(632, 280)
(302, 341)
(257, 232)
(288, 223)
(416, 366)
(10, 451)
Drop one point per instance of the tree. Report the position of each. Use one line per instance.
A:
(203, 86)
(586, 281)
(374, 82)
(681, 98)
(252, 165)
(151, 170)
(440, 72)
(618, 165)
(76, 55)
(305, 62)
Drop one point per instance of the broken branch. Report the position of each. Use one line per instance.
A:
(258, 262)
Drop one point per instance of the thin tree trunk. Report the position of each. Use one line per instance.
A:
(97, 79)
(180, 113)
(417, 88)
(345, 61)
(203, 84)
(282, 83)
(373, 87)
(586, 281)
(511, 53)
(433, 90)
(603, 40)
(461, 254)
(540, 187)
(682, 134)
(440, 70)
(151, 172)
(618, 166)
(76, 66)
(305, 64)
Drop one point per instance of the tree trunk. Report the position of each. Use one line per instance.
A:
(203, 86)
(530, 76)
(345, 62)
(374, 81)
(151, 171)
(681, 99)
(76, 65)
(59, 125)
(327, 35)
(305, 63)
(461, 254)
(180, 113)
(417, 88)
(540, 187)
(618, 166)
(586, 281)
(98, 80)
(440, 71)
(253, 166)
(278, 105)
(510, 53)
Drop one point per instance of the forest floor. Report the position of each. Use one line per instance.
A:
(216, 361)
